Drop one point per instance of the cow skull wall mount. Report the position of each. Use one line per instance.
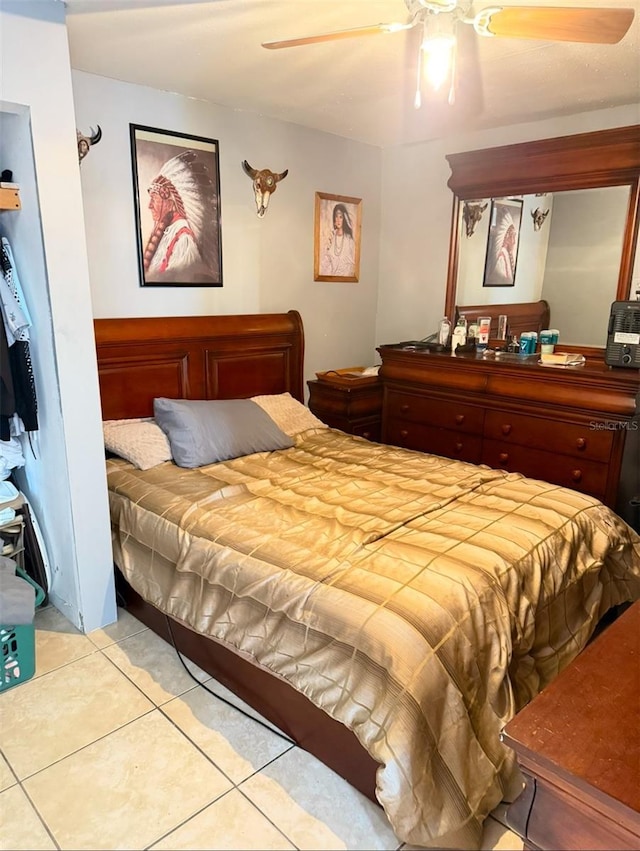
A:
(85, 142)
(472, 213)
(538, 217)
(264, 185)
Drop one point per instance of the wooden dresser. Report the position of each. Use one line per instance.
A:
(578, 745)
(563, 425)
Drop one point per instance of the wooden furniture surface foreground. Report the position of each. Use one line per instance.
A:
(355, 408)
(578, 744)
(562, 425)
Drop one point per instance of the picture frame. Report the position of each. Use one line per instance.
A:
(502, 242)
(176, 192)
(337, 234)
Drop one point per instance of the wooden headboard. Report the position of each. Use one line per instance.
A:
(196, 357)
(529, 316)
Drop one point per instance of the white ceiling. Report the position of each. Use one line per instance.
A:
(362, 88)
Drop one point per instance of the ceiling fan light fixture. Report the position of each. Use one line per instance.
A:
(438, 52)
(482, 20)
(432, 5)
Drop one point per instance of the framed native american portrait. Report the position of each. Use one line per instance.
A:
(337, 238)
(176, 192)
(502, 242)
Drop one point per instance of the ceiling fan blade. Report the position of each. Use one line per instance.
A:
(553, 23)
(355, 32)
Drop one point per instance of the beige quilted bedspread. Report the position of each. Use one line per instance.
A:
(418, 600)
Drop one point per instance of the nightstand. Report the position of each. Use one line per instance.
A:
(578, 745)
(354, 407)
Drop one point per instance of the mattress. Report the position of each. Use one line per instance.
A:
(418, 600)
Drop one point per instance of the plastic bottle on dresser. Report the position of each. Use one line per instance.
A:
(444, 331)
(459, 337)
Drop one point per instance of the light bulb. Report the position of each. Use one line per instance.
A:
(438, 58)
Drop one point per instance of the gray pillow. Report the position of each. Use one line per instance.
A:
(205, 431)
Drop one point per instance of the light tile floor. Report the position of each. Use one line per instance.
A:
(112, 745)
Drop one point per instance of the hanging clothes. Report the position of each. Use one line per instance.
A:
(18, 401)
(7, 396)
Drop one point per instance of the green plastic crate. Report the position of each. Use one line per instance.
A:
(18, 646)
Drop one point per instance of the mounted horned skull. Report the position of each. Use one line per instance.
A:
(85, 142)
(538, 217)
(264, 185)
(472, 213)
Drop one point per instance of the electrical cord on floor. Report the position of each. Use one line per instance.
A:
(228, 702)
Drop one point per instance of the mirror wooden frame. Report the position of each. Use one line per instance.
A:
(582, 161)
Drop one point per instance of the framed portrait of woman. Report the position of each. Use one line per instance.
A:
(176, 192)
(337, 238)
(502, 242)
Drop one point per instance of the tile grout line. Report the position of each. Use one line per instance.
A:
(153, 708)
(234, 785)
(18, 783)
(254, 804)
(88, 745)
(41, 817)
(161, 708)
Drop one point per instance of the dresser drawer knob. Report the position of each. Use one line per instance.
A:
(503, 457)
(581, 443)
(458, 448)
(459, 419)
(404, 408)
(506, 429)
(576, 475)
(403, 432)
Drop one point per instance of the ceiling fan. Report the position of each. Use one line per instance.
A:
(440, 20)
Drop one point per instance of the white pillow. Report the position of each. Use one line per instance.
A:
(139, 441)
(289, 415)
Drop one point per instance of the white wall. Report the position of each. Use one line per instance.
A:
(268, 262)
(66, 483)
(416, 220)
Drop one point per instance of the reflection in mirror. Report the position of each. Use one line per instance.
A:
(568, 252)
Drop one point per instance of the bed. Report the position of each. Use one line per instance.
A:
(387, 609)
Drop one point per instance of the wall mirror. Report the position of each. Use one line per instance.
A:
(573, 202)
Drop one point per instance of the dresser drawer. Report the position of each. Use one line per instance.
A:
(438, 441)
(577, 473)
(551, 435)
(433, 412)
(565, 815)
(369, 430)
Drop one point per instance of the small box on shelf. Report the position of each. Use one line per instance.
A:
(9, 198)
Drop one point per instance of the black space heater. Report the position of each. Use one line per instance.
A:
(623, 335)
